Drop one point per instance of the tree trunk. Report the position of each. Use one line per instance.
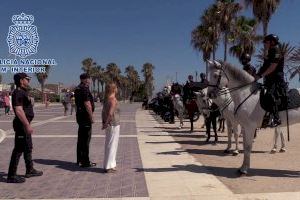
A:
(225, 46)
(265, 32)
(206, 71)
(42, 88)
(98, 87)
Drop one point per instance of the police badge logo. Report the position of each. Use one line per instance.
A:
(23, 38)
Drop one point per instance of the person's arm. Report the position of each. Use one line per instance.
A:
(270, 69)
(88, 107)
(21, 115)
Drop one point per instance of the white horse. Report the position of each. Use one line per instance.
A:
(227, 112)
(178, 105)
(246, 98)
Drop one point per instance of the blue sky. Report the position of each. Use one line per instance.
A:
(129, 32)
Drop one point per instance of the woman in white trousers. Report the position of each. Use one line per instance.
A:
(111, 124)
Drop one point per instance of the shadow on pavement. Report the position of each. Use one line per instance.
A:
(66, 165)
(2, 179)
(203, 151)
(223, 171)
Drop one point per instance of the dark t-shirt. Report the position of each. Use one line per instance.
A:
(20, 98)
(82, 94)
(273, 57)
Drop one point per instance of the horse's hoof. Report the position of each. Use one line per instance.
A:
(235, 153)
(273, 150)
(282, 150)
(241, 173)
(226, 151)
(207, 140)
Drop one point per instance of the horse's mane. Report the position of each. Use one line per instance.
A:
(237, 73)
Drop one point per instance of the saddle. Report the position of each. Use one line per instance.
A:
(291, 101)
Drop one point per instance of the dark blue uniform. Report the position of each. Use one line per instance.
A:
(82, 94)
(23, 141)
(274, 82)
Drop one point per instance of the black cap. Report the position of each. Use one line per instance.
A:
(84, 76)
(19, 76)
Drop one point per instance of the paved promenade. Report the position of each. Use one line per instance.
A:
(155, 161)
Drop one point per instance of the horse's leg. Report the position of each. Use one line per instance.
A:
(220, 123)
(192, 123)
(236, 139)
(248, 136)
(207, 124)
(214, 124)
(282, 149)
(223, 125)
(229, 135)
(180, 117)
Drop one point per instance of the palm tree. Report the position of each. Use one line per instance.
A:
(295, 59)
(113, 72)
(41, 77)
(263, 10)
(211, 27)
(94, 75)
(148, 76)
(244, 37)
(124, 84)
(205, 37)
(133, 77)
(87, 65)
(228, 11)
(201, 42)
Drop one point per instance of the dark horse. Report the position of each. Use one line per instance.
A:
(189, 100)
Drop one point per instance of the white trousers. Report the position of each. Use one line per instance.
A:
(111, 146)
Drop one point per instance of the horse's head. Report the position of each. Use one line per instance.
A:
(217, 78)
(203, 102)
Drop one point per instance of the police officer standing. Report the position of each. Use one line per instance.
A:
(23, 109)
(245, 61)
(272, 72)
(84, 117)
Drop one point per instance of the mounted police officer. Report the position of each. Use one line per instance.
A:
(245, 61)
(188, 89)
(272, 72)
(23, 109)
(84, 117)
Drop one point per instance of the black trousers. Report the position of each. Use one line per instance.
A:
(23, 144)
(276, 90)
(83, 142)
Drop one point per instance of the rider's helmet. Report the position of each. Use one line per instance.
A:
(272, 38)
(190, 77)
(245, 58)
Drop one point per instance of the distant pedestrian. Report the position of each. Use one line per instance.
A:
(66, 102)
(6, 104)
(10, 104)
(23, 142)
(73, 105)
(84, 117)
(111, 124)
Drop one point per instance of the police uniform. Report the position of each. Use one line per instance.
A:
(82, 94)
(23, 141)
(274, 82)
